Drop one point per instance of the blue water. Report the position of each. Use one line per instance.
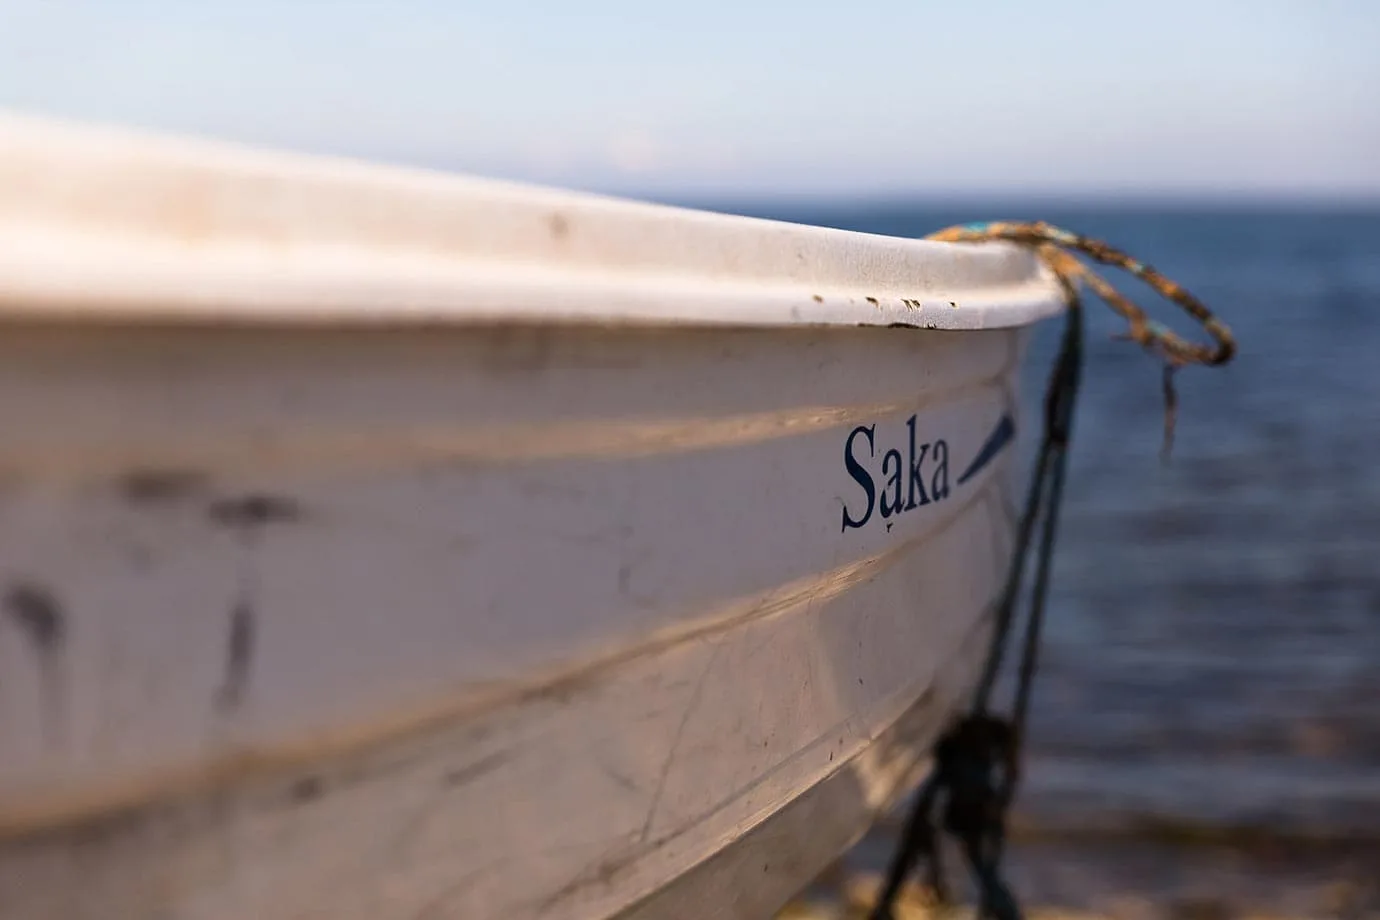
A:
(1213, 651)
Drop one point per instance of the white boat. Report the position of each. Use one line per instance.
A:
(381, 544)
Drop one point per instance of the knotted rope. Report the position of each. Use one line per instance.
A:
(1056, 248)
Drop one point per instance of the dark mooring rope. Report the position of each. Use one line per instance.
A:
(977, 762)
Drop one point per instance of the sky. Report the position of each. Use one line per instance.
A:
(753, 97)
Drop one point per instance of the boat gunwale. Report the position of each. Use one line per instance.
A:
(102, 224)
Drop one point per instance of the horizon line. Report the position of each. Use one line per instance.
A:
(1149, 198)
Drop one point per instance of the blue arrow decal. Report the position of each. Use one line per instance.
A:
(999, 438)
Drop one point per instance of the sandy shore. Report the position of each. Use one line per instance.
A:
(1128, 879)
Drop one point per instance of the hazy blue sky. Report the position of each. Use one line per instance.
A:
(736, 95)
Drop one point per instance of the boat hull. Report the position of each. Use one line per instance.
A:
(497, 620)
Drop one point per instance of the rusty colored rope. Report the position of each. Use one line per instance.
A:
(1056, 248)
(1047, 240)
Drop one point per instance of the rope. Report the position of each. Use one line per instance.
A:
(1056, 247)
(977, 763)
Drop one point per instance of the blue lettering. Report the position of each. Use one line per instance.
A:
(892, 462)
(859, 473)
(913, 474)
(917, 483)
(939, 482)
